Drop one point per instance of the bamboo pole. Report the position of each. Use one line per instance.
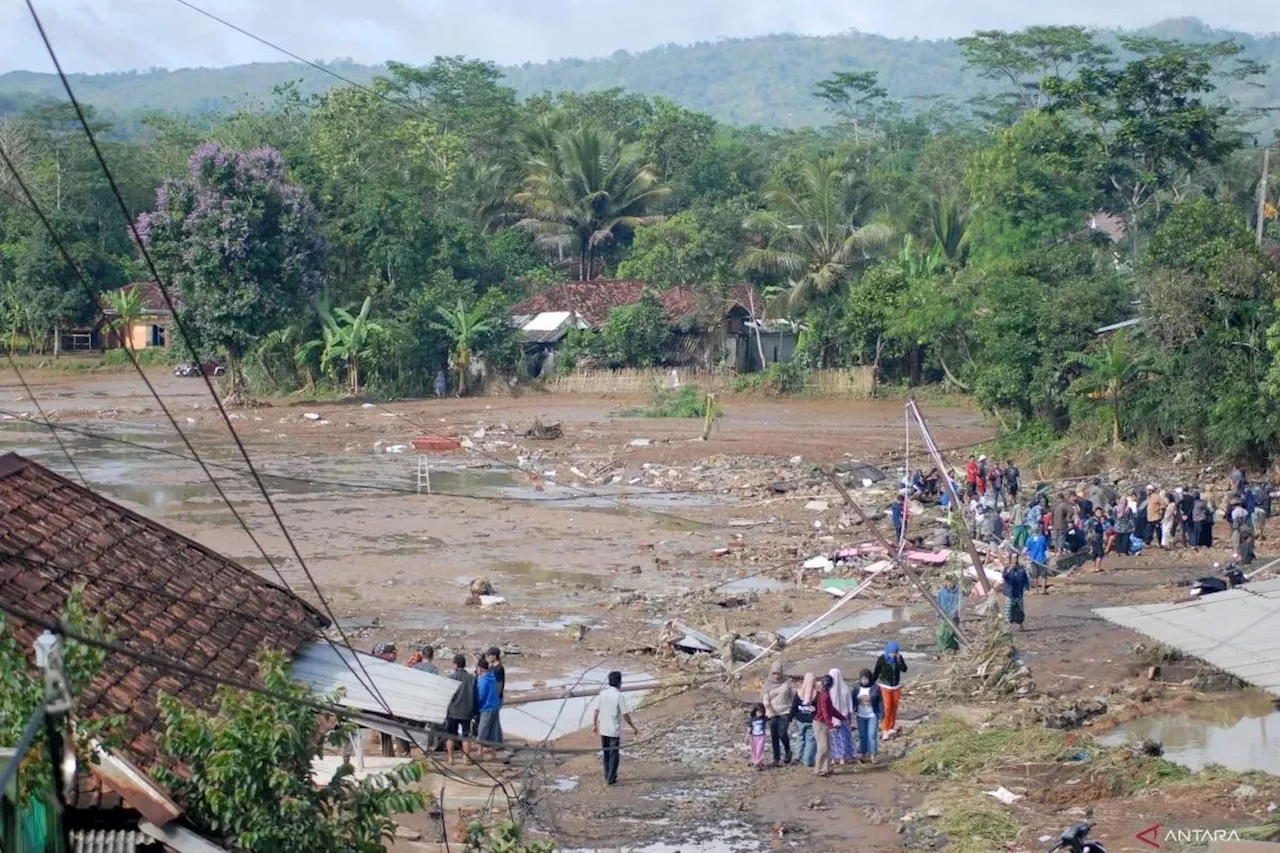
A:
(905, 565)
(943, 470)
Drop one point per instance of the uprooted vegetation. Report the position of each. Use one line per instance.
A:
(688, 402)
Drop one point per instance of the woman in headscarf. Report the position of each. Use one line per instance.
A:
(777, 698)
(803, 709)
(841, 737)
(888, 674)
(949, 601)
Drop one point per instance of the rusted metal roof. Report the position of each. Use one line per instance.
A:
(150, 298)
(1237, 631)
(55, 534)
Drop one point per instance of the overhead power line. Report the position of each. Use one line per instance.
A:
(186, 338)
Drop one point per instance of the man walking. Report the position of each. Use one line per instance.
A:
(1155, 517)
(462, 707)
(610, 714)
(1012, 481)
(1062, 512)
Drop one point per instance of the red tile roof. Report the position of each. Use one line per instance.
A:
(45, 518)
(151, 297)
(593, 300)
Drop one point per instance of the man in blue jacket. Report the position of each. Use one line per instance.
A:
(490, 703)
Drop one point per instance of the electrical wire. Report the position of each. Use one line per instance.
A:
(342, 484)
(171, 666)
(404, 105)
(48, 423)
(188, 340)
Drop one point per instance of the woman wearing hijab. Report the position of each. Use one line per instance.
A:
(777, 699)
(804, 706)
(949, 601)
(841, 736)
(868, 700)
(825, 719)
(888, 674)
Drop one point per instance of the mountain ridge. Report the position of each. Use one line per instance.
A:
(763, 80)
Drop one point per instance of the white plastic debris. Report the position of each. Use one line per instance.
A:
(817, 506)
(478, 433)
(487, 601)
(819, 562)
(1004, 795)
(396, 448)
(312, 416)
(368, 406)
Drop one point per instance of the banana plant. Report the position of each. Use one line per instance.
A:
(345, 339)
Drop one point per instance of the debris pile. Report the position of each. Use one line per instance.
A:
(544, 432)
(988, 667)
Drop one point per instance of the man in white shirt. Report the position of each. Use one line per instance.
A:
(610, 713)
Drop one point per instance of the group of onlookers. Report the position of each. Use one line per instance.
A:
(473, 717)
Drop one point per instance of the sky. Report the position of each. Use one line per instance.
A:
(123, 35)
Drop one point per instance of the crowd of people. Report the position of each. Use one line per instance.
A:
(1095, 519)
(833, 724)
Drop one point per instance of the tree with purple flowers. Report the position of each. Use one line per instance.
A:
(241, 241)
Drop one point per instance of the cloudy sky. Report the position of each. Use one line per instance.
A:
(117, 35)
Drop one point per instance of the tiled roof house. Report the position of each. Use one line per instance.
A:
(55, 534)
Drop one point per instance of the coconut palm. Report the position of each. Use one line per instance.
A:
(126, 305)
(814, 236)
(587, 190)
(949, 227)
(1111, 374)
(463, 326)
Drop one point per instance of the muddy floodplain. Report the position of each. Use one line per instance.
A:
(589, 543)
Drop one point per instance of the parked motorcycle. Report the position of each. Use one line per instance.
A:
(1075, 839)
(1229, 579)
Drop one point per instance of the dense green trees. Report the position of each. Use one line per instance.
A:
(1100, 178)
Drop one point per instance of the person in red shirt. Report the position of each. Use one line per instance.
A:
(971, 477)
(822, 720)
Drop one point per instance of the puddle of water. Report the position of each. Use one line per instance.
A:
(532, 571)
(1240, 734)
(843, 623)
(555, 718)
(755, 585)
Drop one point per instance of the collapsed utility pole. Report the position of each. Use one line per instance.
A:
(944, 473)
(901, 563)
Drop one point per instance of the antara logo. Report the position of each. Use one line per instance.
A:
(1152, 837)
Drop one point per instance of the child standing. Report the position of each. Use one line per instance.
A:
(804, 707)
(757, 736)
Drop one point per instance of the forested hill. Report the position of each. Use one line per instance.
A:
(767, 81)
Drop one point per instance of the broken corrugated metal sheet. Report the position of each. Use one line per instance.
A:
(411, 693)
(1235, 631)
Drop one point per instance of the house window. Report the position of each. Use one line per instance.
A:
(775, 355)
(157, 336)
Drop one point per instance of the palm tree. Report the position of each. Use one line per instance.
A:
(126, 304)
(463, 326)
(812, 235)
(1112, 374)
(587, 190)
(949, 227)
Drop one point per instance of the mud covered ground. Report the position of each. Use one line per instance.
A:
(595, 539)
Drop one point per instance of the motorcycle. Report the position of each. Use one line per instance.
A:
(1075, 839)
(1229, 579)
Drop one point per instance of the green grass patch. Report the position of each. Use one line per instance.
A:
(688, 402)
(951, 748)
